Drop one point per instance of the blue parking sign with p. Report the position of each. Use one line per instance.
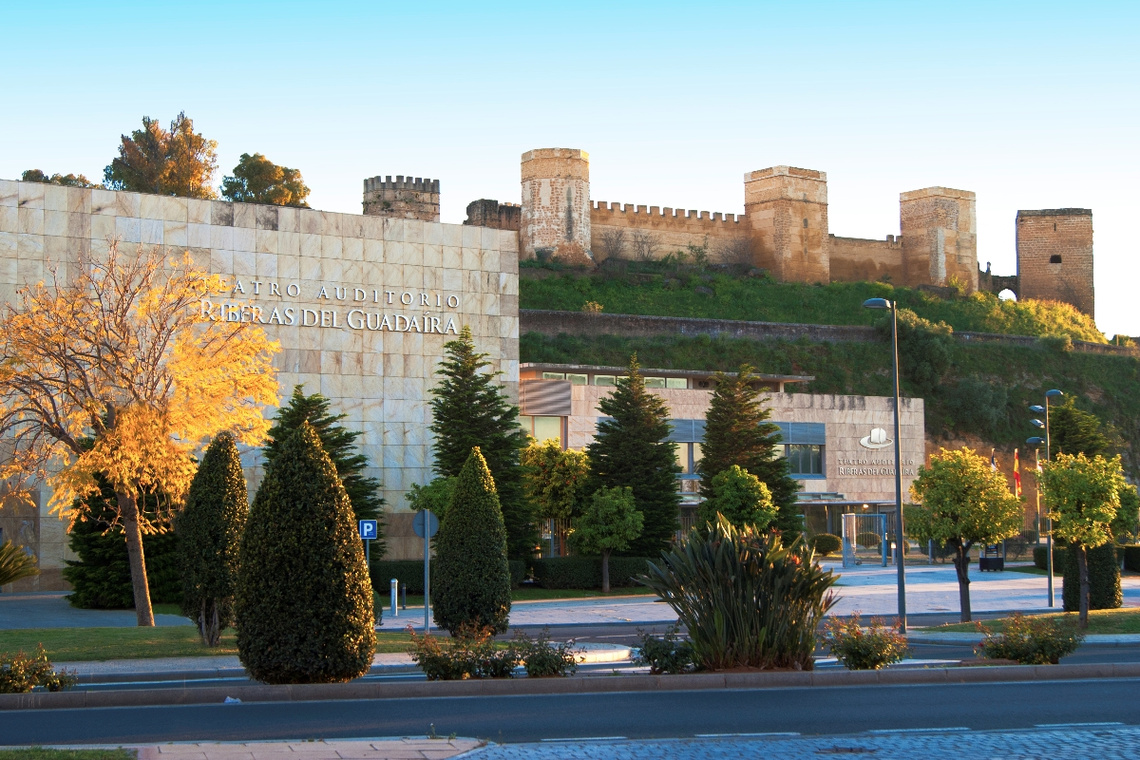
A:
(368, 529)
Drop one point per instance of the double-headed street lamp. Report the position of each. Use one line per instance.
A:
(1037, 441)
(892, 307)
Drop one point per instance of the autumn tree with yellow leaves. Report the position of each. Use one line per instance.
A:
(114, 369)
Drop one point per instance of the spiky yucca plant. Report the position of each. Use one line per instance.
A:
(746, 599)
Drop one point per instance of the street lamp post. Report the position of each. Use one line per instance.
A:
(900, 558)
(1036, 441)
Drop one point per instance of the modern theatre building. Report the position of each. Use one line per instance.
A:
(362, 306)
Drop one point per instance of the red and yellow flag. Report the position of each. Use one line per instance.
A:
(1016, 475)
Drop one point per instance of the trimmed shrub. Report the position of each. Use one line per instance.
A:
(20, 674)
(541, 658)
(667, 654)
(1131, 558)
(744, 597)
(472, 583)
(586, 572)
(863, 648)
(304, 602)
(868, 540)
(1104, 580)
(1030, 640)
(1041, 557)
(825, 543)
(101, 576)
(209, 532)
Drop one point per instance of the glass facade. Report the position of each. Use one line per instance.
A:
(544, 428)
(804, 459)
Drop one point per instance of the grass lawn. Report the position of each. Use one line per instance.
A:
(1100, 621)
(83, 644)
(40, 753)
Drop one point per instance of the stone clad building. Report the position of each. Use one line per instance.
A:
(363, 304)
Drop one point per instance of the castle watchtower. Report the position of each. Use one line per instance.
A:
(1055, 256)
(555, 205)
(402, 198)
(939, 237)
(786, 209)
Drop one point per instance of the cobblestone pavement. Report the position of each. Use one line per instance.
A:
(1109, 742)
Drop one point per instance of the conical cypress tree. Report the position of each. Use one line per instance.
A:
(471, 581)
(340, 444)
(209, 530)
(304, 603)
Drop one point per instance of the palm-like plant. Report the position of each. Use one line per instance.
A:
(15, 563)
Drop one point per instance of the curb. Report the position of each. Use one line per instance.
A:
(576, 685)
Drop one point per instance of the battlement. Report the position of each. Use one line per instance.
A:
(605, 212)
(1057, 212)
(936, 192)
(785, 171)
(373, 184)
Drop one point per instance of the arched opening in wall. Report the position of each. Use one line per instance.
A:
(1007, 295)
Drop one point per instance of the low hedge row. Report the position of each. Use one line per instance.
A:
(410, 574)
(586, 572)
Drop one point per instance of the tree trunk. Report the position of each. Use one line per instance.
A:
(129, 509)
(606, 572)
(211, 635)
(962, 568)
(1086, 587)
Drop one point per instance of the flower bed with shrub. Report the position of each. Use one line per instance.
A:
(860, 647)
(20, 674)
(473, 653)
(1030, 640)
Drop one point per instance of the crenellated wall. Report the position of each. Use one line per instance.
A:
(671, 229)
(411, 198)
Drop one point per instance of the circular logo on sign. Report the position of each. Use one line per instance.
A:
(877, 439)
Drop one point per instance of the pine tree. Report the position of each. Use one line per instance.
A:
(471, 583)
(632, 448)
(340, 445)
(100, 577)
(304, 602)
(209, 531)
(469, 410)
(737, 432)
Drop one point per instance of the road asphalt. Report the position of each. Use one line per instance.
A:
(868, 590)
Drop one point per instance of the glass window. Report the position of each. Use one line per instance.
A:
(681, 450)
(696, 455)
(605, 379)
(676, 382)
(654, 382)
(577, 379)
(548, 427)
(553, 375)
(526, 422)
(804, 459)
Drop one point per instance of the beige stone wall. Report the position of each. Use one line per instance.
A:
(411, 198)
(670, 230)
(861, 260)
(340, 272)
(1055, 256)
(555, 204)
(939, 236)
(852, 469)
(787, 211)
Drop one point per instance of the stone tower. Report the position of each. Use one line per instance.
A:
(555, 205)
(786, 210)
(403, 198)
(1055, 256)
(939, 237)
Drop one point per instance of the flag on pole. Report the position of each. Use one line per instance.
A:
(993, 460)
(1016, 475)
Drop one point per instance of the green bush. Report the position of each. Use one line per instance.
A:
(976, 405)
(868, 540)
(1131, 558)
(1030, 640)
(825, 543)
(744, 597)
(470, 653)
(101, 576)
(667, 654)
(410, 574)
(209, 532)
(304, 603)
(586, 572)
(1104, 580)
(472, 583)
(20, 674)
(15, 563)
(1041, 556)
(543, 659)
(857, 648)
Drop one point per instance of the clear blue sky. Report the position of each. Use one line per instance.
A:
(1030, 105)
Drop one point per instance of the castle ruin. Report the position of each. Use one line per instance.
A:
(783, 230)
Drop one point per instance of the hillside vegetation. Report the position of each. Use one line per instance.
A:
(980, 390)
(675, 290)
